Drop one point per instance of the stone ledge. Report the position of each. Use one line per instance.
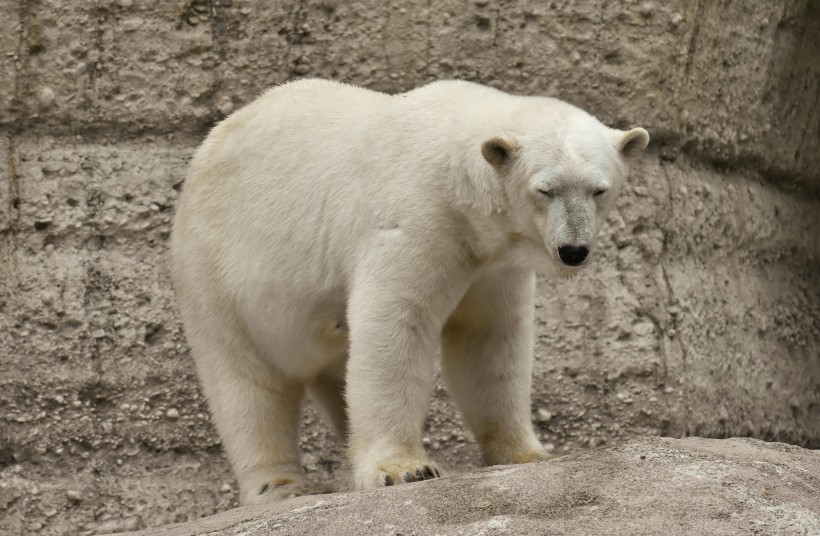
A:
(647, 486)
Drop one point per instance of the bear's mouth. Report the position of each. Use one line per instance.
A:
(566, 271)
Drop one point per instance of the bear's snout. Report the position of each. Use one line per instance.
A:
(573, 255)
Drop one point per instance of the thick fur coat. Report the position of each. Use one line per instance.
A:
(331, 239)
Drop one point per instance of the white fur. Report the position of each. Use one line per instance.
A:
(324, 221)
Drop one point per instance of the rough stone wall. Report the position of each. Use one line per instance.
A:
(701, 316)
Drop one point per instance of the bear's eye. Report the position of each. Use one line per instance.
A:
(599, 192)
(546, 193)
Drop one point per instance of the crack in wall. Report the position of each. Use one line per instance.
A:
(99, 131)
(19, 105)
(672, 300)
(693, 42)
(13, 219)
(811, 117)
(9, 234)
(95, 68)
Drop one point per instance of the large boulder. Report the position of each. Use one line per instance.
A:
(647, 486)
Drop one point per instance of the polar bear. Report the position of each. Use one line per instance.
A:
(332, 239)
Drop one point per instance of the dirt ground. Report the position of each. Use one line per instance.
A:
(700, 317)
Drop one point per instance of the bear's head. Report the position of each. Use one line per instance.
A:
(559, 180)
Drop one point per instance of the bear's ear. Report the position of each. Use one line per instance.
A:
(633, 142)
(498, 151)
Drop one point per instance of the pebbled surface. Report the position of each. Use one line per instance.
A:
(700, 315)
(648, 486)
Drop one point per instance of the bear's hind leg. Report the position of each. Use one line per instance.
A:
(327, 392)
(257, 414)
(487, 353)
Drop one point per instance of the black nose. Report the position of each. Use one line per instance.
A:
(573, 255)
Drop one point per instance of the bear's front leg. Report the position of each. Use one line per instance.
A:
(487, 353)
(398, 305)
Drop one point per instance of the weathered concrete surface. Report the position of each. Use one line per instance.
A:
(701, 316)
(734, 82)
(649, 486)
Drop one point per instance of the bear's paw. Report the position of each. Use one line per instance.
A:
(398, 471)
(280, 489)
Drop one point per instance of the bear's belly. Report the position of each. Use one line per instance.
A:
(301, 334)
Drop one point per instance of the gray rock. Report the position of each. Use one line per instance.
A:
(648, 486)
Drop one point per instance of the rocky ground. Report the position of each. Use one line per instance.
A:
(648, 486)
(701, 315)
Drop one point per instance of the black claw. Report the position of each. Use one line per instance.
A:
(264, 488)
(438, 473)
(419, 475)
(388, 480)
(407, 477)
(429, 472)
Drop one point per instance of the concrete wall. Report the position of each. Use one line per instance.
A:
(701, 317)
